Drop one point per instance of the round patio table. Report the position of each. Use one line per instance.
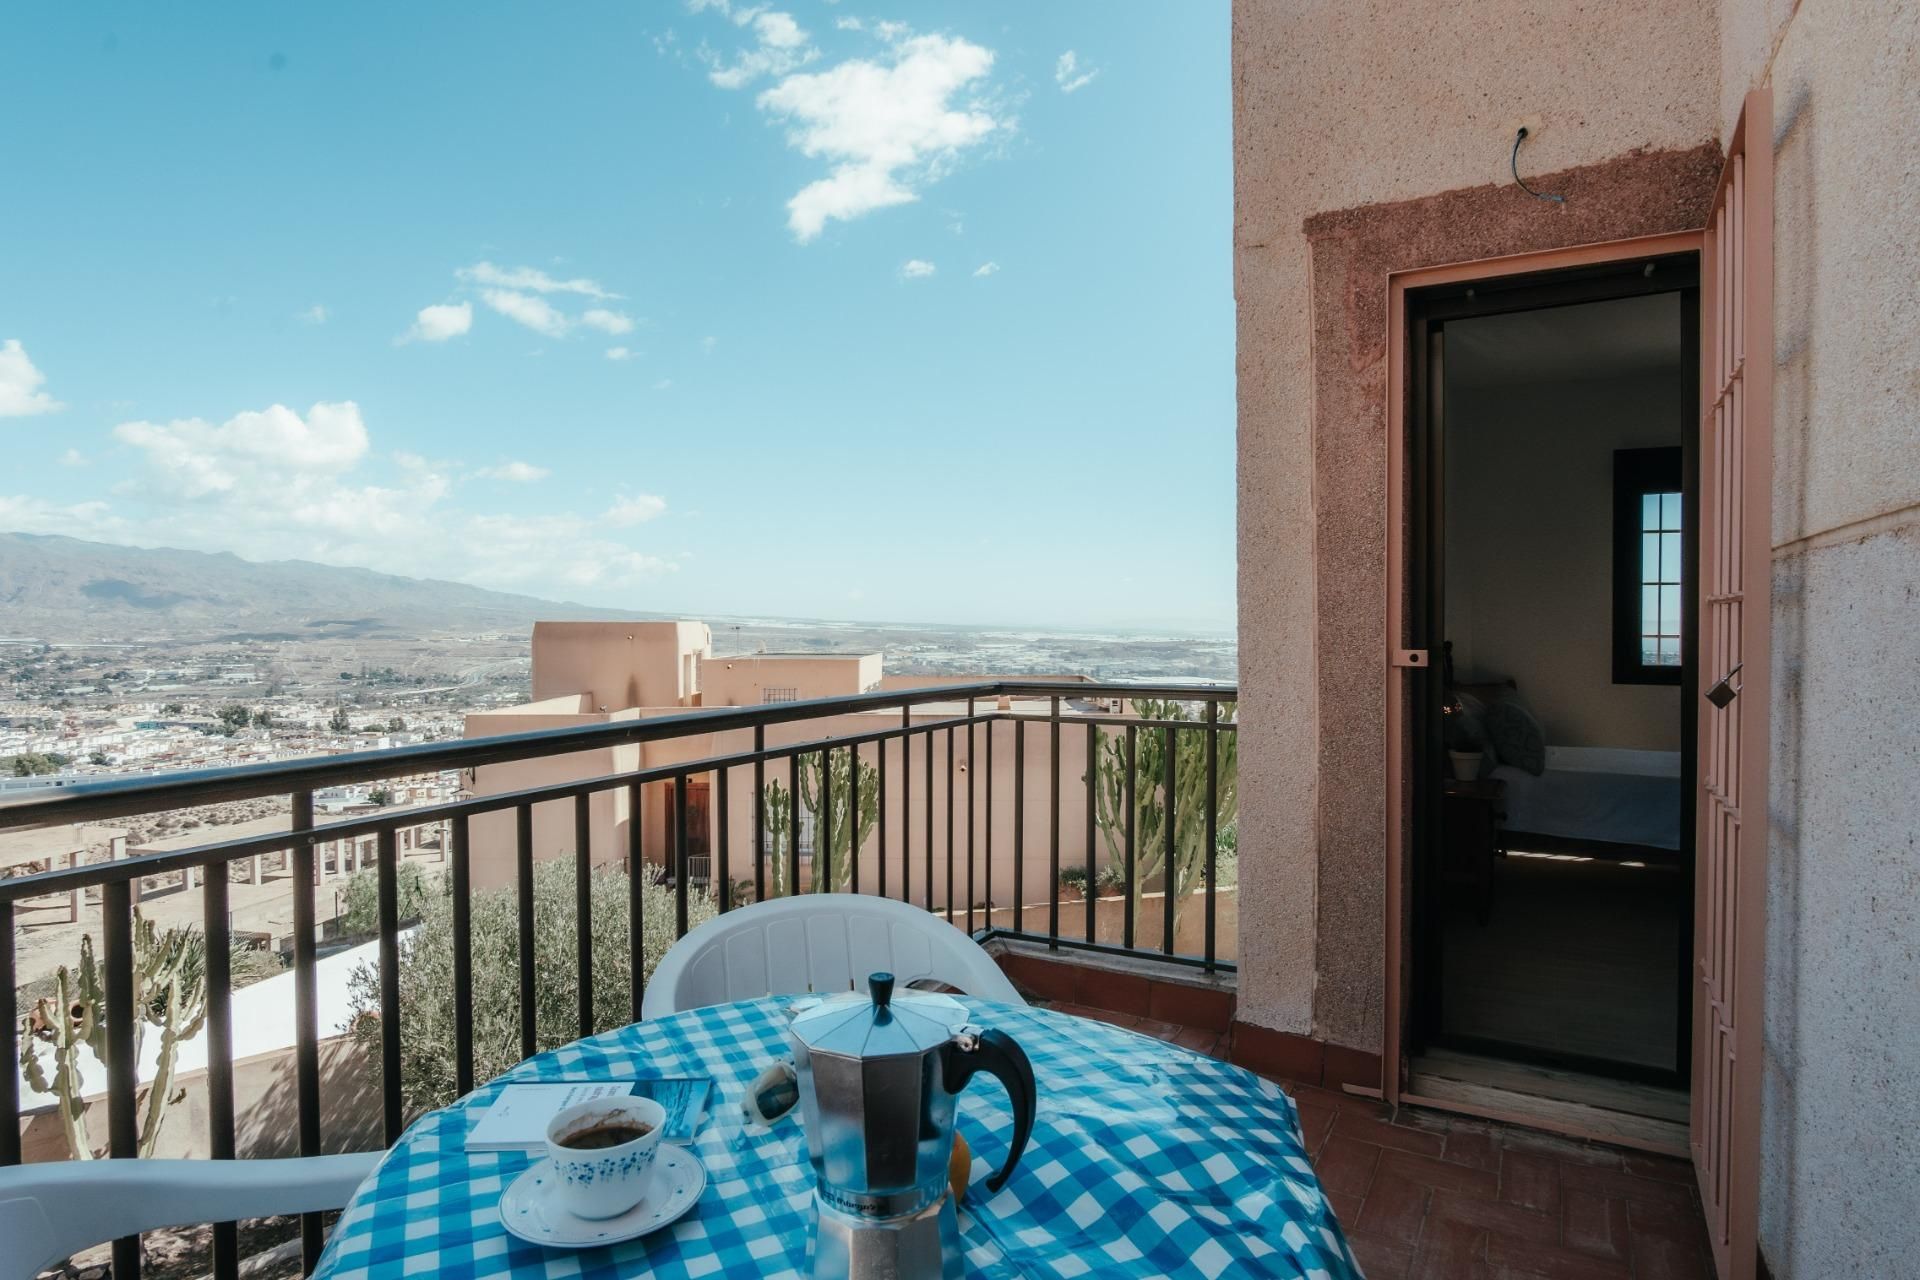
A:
(1145, 1160)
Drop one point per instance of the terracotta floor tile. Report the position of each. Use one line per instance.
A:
(1483, 1213)
(1331, 1099)
(1531, 1181)
(1431, 1172)
(1656, 1258)
(1425, 1120)
(1394, 1210)
(1546, 1144)
(1378, 1132)
(1199, 1040)
(1660, 1168)
(1345, 1164)
(1515, 1258)
(1381, 1259)
(1316, 1122)
(1474, 1148)
(1593, 1223)
(1450, 1251)
(1345, 1205)
(1625, 1186)
(1682, 1224)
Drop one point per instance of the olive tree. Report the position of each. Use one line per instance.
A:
(427, 1044)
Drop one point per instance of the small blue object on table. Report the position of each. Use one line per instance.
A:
(1146, 1160)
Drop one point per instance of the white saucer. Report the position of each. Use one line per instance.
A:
(528, 1208)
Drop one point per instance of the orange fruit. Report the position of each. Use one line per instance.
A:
(958, 1166)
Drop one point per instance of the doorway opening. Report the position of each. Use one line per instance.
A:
(1553, 498)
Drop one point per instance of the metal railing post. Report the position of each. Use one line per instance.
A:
(306, 1009)
(1053, 824)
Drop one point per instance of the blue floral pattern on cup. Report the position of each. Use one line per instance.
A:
(607, 1181)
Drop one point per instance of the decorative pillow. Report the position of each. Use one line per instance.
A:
(1516, 737)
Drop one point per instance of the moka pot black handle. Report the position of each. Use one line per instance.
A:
(999, 1055)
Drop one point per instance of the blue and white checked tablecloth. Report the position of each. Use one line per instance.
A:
(1145, 1160)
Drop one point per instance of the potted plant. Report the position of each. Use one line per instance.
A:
(1073, 880)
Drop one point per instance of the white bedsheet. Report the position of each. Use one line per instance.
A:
(1611, 794)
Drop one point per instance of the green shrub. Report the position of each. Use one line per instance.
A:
(360, 910)
(427, 1046)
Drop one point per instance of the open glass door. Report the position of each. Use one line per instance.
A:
(1736, 560)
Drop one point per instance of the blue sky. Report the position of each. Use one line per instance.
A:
(901, 313)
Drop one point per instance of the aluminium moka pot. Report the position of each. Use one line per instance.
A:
(878, 1081)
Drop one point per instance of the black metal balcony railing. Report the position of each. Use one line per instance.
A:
(300, 779)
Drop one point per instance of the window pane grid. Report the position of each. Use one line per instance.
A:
(1660, 579)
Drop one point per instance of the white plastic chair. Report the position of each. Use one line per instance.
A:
(54, 1210)
(819, 942)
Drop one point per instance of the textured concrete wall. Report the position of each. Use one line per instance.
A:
(1841, 1149)
(1339, 105)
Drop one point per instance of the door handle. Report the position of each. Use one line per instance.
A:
(1724, 690)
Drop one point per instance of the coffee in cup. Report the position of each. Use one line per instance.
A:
(602, 1154)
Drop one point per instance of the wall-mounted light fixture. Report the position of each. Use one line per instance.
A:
(1520, 135)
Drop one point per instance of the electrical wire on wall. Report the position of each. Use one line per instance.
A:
(1513, 163)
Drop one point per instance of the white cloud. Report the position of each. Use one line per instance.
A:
(916, 269)
(606, 321)
(516, 471)
(20, 393)
(315, 314)
(637, 509)
(524, 308)
(780, 46)
(441, 322)
(74, 458)
(986, 269)
(884, 126)
(552, 555)
(28, 514)
(1068, 75)
(619, 353)
(190, 458)
(529, 280)
(275, 484)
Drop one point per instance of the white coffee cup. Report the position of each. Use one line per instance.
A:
(604, 1182)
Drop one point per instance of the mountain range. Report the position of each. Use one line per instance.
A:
(58, 588)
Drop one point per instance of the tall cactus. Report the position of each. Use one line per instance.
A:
(832, 830)
(838, 827)
(779, 815)
(169, 994)
(1189, 748)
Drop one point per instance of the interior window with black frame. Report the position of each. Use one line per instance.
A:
(1648, 581)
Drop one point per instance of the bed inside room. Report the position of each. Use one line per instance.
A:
(1562, 903)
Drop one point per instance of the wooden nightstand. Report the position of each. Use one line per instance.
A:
(1471, 813)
